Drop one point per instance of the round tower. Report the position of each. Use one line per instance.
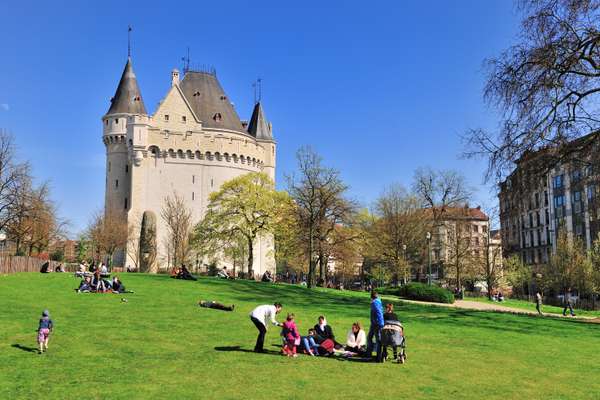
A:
(126, 106)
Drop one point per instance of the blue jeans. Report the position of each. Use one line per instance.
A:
(310, 345)
(374, 332)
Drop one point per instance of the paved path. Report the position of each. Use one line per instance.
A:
(477, 305)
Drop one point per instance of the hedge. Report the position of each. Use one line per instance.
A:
(422, 292)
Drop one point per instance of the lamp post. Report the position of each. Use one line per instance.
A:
(428, 258)
(405, 265)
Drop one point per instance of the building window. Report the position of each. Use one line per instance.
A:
(109, 166)
(126, 168)
(167, 117)
(193, 178)
(126, 203)
(211, 182)
(193, 196)
(545, 198)
(591, 192)
(557, 182)
(183, 119)
(576, 175)
(117, 121)
(117, 183)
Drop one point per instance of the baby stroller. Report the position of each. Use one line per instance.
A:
(392, 334)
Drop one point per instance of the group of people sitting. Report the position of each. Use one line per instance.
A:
(182, 273)
(97, 284)
(85, 270)
(320, 339)
(46, 268)
(498, 297)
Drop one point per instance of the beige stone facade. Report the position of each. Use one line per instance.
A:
(174, 150)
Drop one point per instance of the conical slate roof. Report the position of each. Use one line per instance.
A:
(127, 98)
(208, 100)
(258, 126)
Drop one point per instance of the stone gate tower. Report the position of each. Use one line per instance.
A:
(193, 143)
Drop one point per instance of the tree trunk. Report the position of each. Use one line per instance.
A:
(311, 263)
(322, 272)
(250, 259)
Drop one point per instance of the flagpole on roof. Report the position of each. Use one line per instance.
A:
(129, 41)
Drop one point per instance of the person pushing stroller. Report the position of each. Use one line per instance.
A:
(392, 334)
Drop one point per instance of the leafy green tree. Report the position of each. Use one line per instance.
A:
(246, 207)
(569, 267)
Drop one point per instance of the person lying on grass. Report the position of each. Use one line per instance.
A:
(44, 328)
(216, 305)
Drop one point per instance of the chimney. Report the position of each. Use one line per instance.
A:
(174, 77)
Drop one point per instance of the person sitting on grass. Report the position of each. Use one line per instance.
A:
(44, 328)
(291, 337)
(308, 343)
(356, 341)
(85, 286)
(216, 305)
(118, 287)
(175, 273)
(267, 277)
(223, 273)
(185, 274)
(98, 284)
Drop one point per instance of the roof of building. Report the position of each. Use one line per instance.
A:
(466, 212)
(209, 101)
(258, 126)
(127, 98)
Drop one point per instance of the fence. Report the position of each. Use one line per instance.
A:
(13, 264)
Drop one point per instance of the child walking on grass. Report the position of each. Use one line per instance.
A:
(44, 329)
(291, 336)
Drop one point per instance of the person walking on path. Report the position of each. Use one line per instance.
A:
(568, 300)
(260, 316)
(44, 328)
(377, 323)
(538, 302)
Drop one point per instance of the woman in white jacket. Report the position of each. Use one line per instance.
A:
(356, 341)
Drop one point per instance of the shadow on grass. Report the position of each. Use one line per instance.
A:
(239, 349)
(25, 348)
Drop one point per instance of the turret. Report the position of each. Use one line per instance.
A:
(126, 111)
(261, 129)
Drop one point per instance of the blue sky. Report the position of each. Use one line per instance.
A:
(377, 88)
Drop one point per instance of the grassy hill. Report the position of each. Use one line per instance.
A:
(159, 344)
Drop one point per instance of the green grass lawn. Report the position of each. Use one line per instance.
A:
(530, 306)
(160, 345)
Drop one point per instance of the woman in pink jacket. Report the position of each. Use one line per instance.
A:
(291, 336)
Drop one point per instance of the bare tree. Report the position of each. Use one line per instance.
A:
(400, 229)
(319, 194)
(108, 233)
(546, 87)
(14, 178)
(178, 219)
(460, 250)
(439, 190)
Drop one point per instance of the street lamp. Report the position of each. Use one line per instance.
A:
(405, 264)
(429, 258)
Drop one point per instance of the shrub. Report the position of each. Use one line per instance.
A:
(423, 292)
